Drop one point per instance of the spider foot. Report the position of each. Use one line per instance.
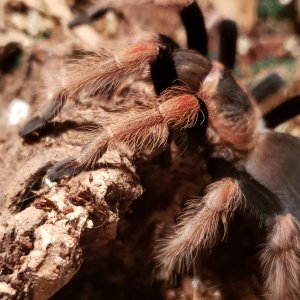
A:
(32, 126)
(65, 168)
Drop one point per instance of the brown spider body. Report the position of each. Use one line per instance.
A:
(251, 166)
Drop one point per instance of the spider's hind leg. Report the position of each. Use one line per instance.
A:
(280, 257)
(288, 109)
(266, 87)
(274, 114)
(199, 228)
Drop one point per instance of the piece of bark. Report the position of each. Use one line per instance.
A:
(41, 231)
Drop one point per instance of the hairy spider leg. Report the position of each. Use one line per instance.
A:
(91, 15)
(138, 129)
(194, 24)
(285, 111)
(228, 43)
(100, 72)
(174, 66)
(162, 70)
(280, 257)
(103, 71)
(192, 68)
(199, 229)
(193, 21)
(267, 86)
(37, 122)
(288, 109)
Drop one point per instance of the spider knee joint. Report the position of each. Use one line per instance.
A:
(224, 195)
(285, 233)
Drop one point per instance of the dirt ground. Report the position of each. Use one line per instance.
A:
(113, 257)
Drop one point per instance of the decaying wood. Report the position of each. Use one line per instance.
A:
(42, 224)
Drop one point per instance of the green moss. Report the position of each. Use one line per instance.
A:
(269, 8)
(271, 62)
(273, 8)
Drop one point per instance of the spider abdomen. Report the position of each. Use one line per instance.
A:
(274, 162)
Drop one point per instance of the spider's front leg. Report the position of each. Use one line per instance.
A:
(96, 73)
(138, 129)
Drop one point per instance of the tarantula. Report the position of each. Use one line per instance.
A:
(251, 166)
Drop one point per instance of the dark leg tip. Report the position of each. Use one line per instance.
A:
(267, 86)
(228, 43)
(88, 17)
(193, 21)
(65, 168)
(31, 126)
